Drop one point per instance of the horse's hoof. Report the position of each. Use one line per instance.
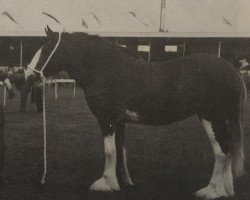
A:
(103, 184)
(210, 192)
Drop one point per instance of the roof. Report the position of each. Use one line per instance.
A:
(174, 35)
(31, 16)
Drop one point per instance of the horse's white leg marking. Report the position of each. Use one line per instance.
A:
(221, 182)
(125, 166)
(108, 181)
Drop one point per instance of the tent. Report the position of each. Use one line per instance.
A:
(126, 19)
(29, 17)
(130, 16)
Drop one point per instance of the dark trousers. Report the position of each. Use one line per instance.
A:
(36, 96)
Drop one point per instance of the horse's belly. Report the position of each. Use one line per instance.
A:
(158, 117)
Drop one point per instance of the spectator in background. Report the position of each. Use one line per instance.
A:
(10, 70)
(4, 78)
(63, 75)
(241, 60)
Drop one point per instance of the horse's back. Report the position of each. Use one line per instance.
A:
(218, 87)
(165, 92)
(171, 91)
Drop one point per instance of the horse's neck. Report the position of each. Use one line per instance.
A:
(94, 56)
(93, 53)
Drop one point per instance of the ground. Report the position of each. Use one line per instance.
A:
(167, 162)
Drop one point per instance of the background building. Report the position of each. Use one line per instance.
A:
(219, 27)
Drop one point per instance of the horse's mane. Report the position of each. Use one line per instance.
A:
(105, 42)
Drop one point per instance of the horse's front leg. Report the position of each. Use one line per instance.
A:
(108, 181)
(116, 175)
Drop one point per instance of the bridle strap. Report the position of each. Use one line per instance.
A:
(52, 53)
(50, 56)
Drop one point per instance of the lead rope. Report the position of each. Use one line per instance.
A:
(44, 111)
(44, 133)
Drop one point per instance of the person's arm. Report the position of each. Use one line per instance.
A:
(4, 78)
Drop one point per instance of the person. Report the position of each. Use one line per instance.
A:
(25, 88)
(241, 60)
(5, 79)
(11, 70)
(37, 97)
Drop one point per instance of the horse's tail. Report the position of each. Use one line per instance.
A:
(235, 127)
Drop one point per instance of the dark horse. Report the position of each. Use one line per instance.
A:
(121, 88)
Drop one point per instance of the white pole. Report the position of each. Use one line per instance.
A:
(74, 92)
(184, 49)
(162, 16)
(219, 49)
(4, 96)
(21, 53)
(55, 90)
(44, 134)
(149, 53)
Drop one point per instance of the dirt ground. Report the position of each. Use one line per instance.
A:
(167, 162)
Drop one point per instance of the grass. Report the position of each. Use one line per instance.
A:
(167, 162)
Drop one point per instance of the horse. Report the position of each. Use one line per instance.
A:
(121, 88)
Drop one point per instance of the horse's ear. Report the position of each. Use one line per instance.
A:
(48, 31)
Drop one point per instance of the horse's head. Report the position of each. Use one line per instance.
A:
(50, 59)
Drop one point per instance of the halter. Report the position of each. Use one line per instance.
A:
(47, 61)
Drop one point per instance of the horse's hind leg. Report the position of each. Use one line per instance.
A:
(221, 182)
(121, 167)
